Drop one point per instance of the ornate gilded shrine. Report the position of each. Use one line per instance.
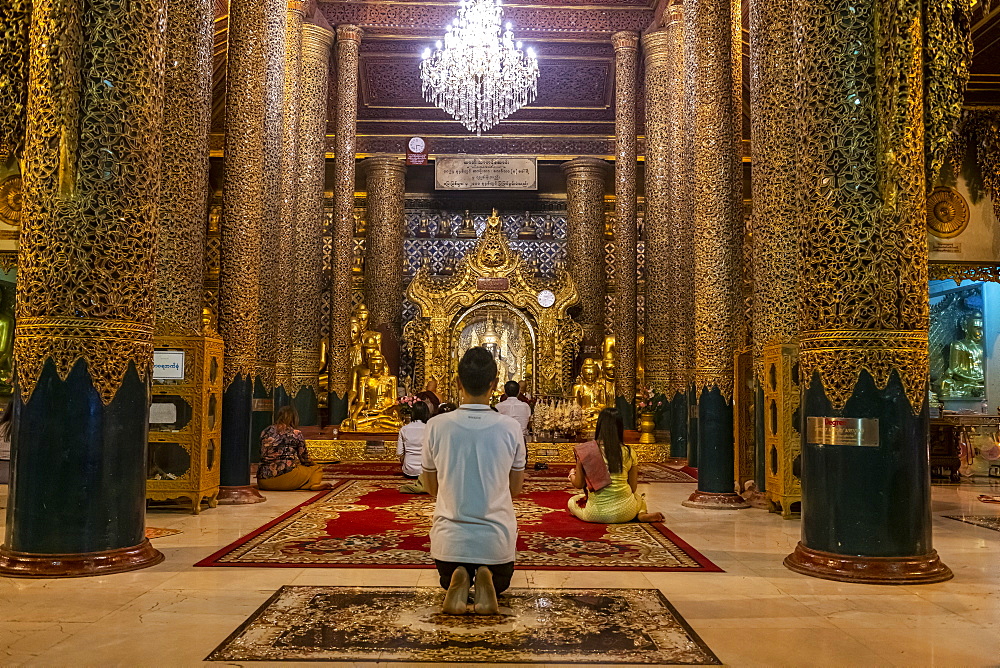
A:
(496, 299)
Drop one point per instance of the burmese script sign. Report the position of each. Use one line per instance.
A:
(485, 172)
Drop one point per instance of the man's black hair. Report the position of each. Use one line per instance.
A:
(512, 388)
(477, 370)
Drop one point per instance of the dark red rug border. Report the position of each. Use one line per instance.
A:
(705, 564)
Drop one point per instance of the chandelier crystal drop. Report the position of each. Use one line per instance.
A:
(479, 75)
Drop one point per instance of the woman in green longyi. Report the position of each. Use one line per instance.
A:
(617, 502)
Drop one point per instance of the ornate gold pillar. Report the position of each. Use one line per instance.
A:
(863, 310)
(586, 182)
(718, 244)
(309, 221)
(86, 291)
(240, 254)
(15, 16)
(348, 44)
(683, 350)
(774, 236)
(287, 205)
(626, 263)
(271, 288)
(385, 177)
(668, 234)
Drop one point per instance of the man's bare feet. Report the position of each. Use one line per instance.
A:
(486, 594)
(457, 597)
(650, 517)
(321, 486)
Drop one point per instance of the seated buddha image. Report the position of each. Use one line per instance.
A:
(374, 406)
(964, 378)
(589, 391)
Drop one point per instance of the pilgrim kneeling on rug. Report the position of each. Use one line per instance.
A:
(409, 445)
(473, 463)
(608, 472)
(285, 464)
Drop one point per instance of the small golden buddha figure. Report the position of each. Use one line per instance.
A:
(360, 224)
(468, 228)
(589, 391)
(6, 348)
(450, 264)
(423, 227)
(964, 378)
(609, 226)
(608, 368)
(358, 267)
(374, 408)
(209, 320)
(357, 356)
(425, 263)
(444, 226)
(528, 230)
(640, 360)
(548, 227)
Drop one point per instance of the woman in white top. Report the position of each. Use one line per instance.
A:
(408, 447)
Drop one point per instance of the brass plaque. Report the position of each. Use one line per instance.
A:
(261, 405)
(374, 447)
(486, 172)
(493, 283)
(842, 431)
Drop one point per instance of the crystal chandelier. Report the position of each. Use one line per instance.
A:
(477, 75)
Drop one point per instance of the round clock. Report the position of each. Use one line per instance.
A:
(546, 298)
(947, 213)
(417, 145)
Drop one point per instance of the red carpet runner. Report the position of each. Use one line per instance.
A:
(368, 523)
(648, 472)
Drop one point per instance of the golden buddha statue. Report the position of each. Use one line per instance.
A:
(6, 346)
(528, 230)
(358, 267)
(640, 360)
(444, 226)
(590, 392)
(608, 369)
(468, 228)
(374, 406)
(964, 378)
(423, 227)
(360, 224)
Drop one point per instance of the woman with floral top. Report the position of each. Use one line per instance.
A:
(285, 463)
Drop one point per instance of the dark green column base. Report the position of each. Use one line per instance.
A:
(627, 411)
(922, 569)
(234, 462)
(678, 416)
(716, 453)
(692, 418)
(306, 405)
(262, 416)
(26, 565)
(281, 398)
(337, 406)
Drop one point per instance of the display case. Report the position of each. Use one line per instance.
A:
(185, 422)
(782, 442)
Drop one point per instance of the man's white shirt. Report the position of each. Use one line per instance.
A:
(473, 450)
(517, 409)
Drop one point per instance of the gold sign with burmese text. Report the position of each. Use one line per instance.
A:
(485, 172)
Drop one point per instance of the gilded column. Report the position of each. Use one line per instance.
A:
(348, 44)
(586, 182)
(271, 288)
(15, 16)
(385, 177)
(240, 254)
(668, 285)
(684, 352)
(309, 221)
(284, 388)
(718, 244)
(863, 310)
(86, 291)
(626, 66)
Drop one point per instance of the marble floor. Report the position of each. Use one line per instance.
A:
(757, 613)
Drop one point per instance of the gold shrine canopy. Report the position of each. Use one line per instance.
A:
(495, 299)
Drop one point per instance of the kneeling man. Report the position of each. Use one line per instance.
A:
(473, 462)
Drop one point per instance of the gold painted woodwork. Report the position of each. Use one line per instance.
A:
(322, 450)
(668, 234)
(626, 265)
(782, 442)
(385, 178)
(585, 186)
(201, 438)
(347, 49)
(443, 300)
(86, 264)
(15, 19)
(243, 191)
(958, 272)
(287, 260)
(183, 203)
(718, 201)
(307, 303)
(774, 232)
(863, 301)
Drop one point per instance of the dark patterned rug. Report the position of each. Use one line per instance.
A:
(592, 626)
(648, 472)
(985, 521)
(369, 523)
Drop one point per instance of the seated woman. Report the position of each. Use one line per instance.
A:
(617, 502)
(285, 463)
(409, 445)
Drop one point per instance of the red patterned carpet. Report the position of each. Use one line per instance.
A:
(650, 472)
(368, 523)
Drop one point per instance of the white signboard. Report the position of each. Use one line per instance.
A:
(168, 365)
(485, 172)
